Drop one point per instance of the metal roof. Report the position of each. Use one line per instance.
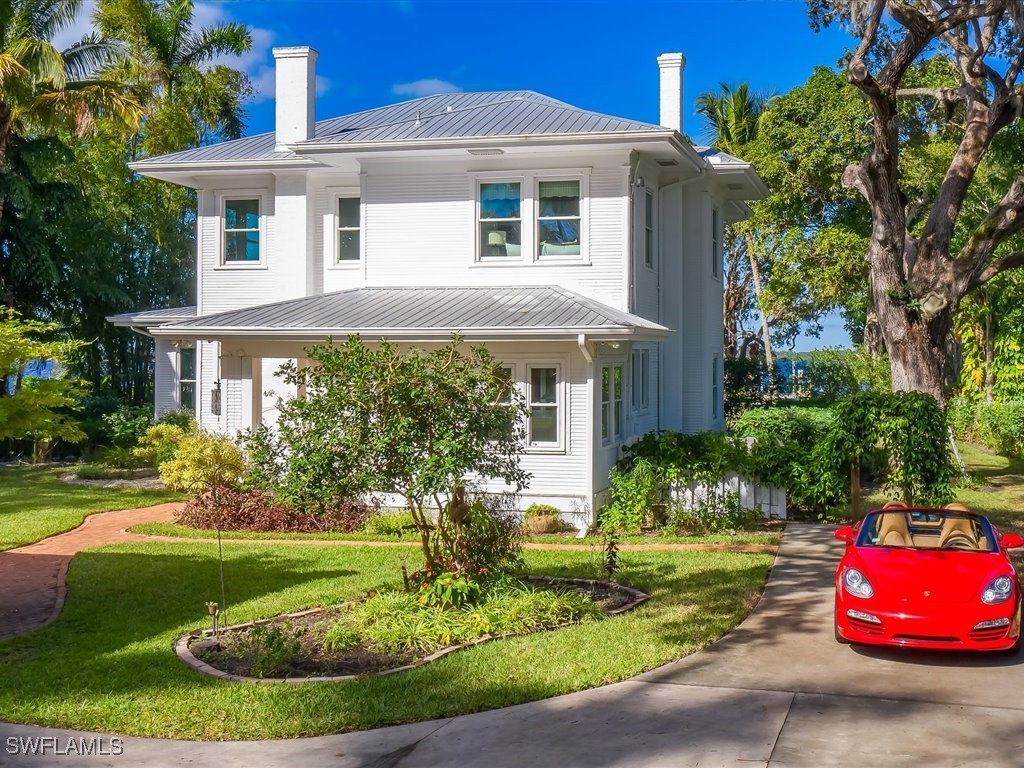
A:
(546, 310)
(717, 156)
(153, 317)
(445, 116)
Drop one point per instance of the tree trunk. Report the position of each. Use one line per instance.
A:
(755, 272)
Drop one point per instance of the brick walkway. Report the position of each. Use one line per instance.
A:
(32, 586)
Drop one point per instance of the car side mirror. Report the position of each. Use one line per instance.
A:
(1011, 541)
(846, 534)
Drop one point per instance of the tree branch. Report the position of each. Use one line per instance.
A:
(1010, 261)
(1005, 220)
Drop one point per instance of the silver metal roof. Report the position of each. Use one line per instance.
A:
(153, 317)
(545, 311)
(445, 116)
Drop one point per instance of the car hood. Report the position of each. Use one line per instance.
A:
(913, 576)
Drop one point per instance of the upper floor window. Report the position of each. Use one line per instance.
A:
(242, 231)
(501, 218)
(558, 218)
(716, 251)
(641, 366)
(187, 377)
(348, 229)
(611, 403)
(648, 229)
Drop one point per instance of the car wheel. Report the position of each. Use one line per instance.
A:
(839, 638)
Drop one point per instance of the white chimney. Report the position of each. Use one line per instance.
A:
(295, 99)
(671, 67)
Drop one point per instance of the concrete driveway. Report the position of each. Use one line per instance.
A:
(778, 691)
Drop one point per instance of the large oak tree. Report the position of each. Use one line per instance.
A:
(922, 265)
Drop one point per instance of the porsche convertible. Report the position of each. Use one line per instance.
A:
(928, 578)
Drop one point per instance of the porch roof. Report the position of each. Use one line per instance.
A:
(145, 320)
(414, 313)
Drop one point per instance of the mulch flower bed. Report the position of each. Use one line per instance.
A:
(237, 652)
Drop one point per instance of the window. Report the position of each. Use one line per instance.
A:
(542, 401)
(241, 231)
(649, 230)
(187, 377)
(611, 403)
(558, 218)
(640, 370)
(714, 387)
(716, 257)
(348, 229)
(500, 219)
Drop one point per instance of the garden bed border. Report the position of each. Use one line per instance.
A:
(184, 653)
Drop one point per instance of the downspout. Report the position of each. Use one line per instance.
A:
(634, 160)
(581, 342)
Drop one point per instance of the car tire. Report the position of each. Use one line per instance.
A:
(839, 638)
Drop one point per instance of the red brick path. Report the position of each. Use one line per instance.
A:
(32, 585)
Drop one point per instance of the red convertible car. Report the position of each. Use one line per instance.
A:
(928, 578)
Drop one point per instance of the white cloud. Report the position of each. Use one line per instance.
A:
(77, 29)
(427, 87)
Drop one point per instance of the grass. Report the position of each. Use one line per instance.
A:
(172, 529)
(36, 503)
(106, 663)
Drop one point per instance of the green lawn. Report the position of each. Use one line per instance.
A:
(36, 503)
(106, 663)
(171, 529)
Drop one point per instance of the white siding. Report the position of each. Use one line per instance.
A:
(165, 385)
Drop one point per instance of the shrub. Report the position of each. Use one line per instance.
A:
(159, 444)
(127, 424)
(747, 383)
(1000, 426)
(718, 510)
(257, 511)
(450, 590)
(962, 417)
(489, 538)
(390, 524)
(118, 457)
(635, 490)
(204, 461)
(541, 510)
(272, 648)
(182, 418)
(799, 424)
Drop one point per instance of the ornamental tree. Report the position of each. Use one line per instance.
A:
(419, 424)
(925, 256)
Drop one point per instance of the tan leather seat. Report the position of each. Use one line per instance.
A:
(895, 505)
(960, 529)
(893, 530)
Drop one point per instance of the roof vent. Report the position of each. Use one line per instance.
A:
(668, 163)
(487, 151)
(449, 108)
(418, 121)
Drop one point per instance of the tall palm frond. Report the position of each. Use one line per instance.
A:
(90, 54)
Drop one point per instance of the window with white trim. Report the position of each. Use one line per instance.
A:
(716, 255)
(187, 377)
(242, 231)
(543, 402)
(648, 229)
(611, 403)
(349, 232)
(714, 387)
(500, 220)
(640, 367)
(559, 221)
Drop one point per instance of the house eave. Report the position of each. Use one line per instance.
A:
(483, 334)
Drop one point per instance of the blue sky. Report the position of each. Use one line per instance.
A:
(595, 54)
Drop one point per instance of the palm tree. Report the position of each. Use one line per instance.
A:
(43, 90)
(732, 117)
(186, 92)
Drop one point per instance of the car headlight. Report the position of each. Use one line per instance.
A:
(999, 591)
(857, 584)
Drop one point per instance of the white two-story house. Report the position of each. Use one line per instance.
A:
(584, 250)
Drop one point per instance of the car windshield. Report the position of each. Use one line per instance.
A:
(927, 529)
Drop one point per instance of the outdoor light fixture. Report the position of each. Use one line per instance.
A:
(214, 610)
